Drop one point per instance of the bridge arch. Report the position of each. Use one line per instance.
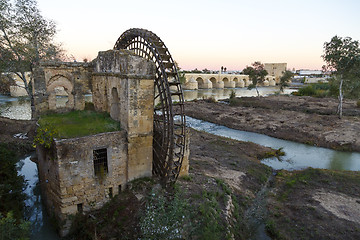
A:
(200, 80)
(213, 81)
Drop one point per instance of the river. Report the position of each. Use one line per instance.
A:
(41, 228)
(298, 155)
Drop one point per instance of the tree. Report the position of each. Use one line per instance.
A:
(342, 55)
(26, 38)
(284, 80)
(256, 74)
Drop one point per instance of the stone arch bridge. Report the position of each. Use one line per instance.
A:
(201, 81)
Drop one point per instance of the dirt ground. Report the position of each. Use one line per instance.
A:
(302, 119)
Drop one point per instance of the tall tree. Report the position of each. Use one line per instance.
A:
(25, 38)
(256, 74)
(342, 55)
(285, 79)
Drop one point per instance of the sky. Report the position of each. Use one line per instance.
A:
(209, 33)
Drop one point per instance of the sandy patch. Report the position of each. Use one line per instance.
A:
(341, 205)
(231, 177)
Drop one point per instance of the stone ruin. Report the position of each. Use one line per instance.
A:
(121, 84)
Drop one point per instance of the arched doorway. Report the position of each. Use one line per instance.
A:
(60, 93)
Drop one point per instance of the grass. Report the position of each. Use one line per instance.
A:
(79, 123)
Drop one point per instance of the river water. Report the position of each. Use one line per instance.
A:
(298, 155)
(41, 228)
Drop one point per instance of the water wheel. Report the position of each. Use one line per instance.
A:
(169, 118)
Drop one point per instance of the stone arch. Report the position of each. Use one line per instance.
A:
(60, 82)
(235, 79)
(200, 80)
(213, 81)
(115, 104)
(240, 83)
(228, 83)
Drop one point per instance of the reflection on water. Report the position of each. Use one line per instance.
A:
(298, 156)
(35, 211)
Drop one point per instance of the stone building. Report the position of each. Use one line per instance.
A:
(276, 70)
(80, 174)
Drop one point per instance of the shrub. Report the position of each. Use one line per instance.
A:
(211, 99)
(315, 90)
(232, 94)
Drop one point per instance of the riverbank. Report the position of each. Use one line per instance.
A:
(307, 120)
(18, 134)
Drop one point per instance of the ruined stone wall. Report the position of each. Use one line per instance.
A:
(68, 177)
(73, 77)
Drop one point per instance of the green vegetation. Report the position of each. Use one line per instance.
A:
(11, 197)
(11, 229)
(342, 56)
(232, 99)
(285, 79)
(358, 103)
(73, 124)
(317, 90)
(164, 219)
(273, 153)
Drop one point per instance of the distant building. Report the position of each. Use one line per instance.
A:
(306, 72)
(275, 69)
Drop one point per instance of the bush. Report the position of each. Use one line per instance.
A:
(358, 103)
(11, 229)
(232, 94)
(307, 91)
(316, 90)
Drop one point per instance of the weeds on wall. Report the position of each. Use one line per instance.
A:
(45, 135)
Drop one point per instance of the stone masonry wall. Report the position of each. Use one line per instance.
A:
(123, 85)
(69, 176)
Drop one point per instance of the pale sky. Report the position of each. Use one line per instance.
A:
(208, 33)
